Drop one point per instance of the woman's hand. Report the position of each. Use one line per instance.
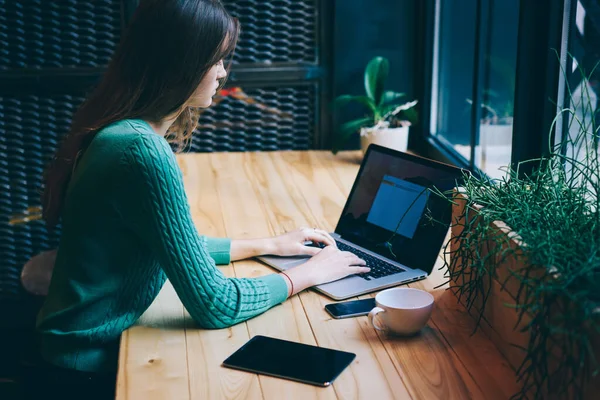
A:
(292, 243)
(288, 244)
(330, 264)
(326, 265)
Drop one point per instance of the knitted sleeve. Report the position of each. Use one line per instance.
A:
(219, 249)
(162, 218)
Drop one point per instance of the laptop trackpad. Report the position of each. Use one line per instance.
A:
(284, 263)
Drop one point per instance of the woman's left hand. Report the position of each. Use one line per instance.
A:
(292, 243)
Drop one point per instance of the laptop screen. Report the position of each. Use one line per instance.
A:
(392, 210)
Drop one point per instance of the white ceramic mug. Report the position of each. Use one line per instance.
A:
(401, 311)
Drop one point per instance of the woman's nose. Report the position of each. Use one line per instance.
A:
(221, 73)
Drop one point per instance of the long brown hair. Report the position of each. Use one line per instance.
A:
(164, 54)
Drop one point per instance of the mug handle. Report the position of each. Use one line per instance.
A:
(372, 315)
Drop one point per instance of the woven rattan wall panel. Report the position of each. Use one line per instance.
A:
(276, 118)
(57, 34)
(30, 128)
(276, 30)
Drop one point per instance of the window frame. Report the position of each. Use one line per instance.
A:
(540, 84)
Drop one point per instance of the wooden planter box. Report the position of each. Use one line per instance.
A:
(499, 321)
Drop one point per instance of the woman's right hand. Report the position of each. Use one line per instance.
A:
(330, 264)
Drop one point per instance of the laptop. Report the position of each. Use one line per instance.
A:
(393, 219)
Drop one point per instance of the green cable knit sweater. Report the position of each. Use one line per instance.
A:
(126, 228)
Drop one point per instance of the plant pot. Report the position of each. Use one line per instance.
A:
(393, 138)
(499, 320)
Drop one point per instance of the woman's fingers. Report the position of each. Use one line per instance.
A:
(358, 261)
(353, 258)
(360, 270)
(330, 239)
(308, 250)
(317, 237)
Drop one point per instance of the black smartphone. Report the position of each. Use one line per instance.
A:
(290, 360)
(353, 308)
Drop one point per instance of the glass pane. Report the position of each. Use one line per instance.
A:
(584, 82)
(497, 96)
(453, 73)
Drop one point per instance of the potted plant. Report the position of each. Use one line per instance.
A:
(387, 120)
(524, 258)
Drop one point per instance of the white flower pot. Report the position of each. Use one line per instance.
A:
(394, 138)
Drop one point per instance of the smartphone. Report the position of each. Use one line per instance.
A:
(354, 308)
(290, 360)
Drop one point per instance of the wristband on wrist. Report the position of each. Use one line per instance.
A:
(291, 284)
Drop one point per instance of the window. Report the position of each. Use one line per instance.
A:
(583, 82)
(474, 62)
(453, 72)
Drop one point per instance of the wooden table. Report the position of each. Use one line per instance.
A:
(246, 195)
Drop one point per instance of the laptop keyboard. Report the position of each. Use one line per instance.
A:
(379, 268)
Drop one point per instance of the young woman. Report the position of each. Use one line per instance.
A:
(116, 188)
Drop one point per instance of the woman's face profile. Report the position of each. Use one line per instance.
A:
(202, 96)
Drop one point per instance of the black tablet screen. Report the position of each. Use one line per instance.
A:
(296, 361)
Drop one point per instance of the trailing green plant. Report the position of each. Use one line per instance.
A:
(383, 108)
(554, 213)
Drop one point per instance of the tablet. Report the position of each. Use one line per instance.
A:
(290, 360)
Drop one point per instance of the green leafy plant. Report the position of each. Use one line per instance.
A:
(554, 212)
(382, 106)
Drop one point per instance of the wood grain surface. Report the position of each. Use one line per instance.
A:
(247, 195)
